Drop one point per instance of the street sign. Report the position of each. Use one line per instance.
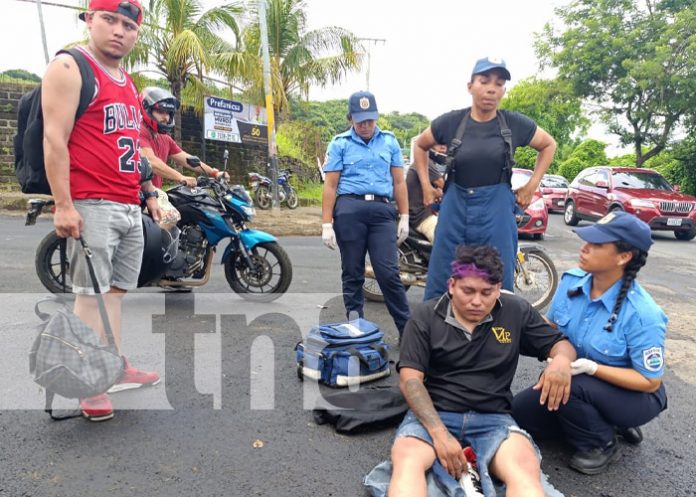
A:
(236, 122)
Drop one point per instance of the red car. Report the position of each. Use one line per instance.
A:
(554, 189)
(535, 218)
(599, 190)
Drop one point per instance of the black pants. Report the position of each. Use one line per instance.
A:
(595, 407)
(362, 227)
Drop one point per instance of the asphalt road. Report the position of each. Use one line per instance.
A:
(231, 418)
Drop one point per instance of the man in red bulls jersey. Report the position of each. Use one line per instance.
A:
(93, 167)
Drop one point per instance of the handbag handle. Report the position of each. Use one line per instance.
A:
(100, 300)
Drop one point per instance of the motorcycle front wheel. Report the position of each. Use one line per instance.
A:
(537, 280)
(292, 199)
(268, 279)
(54, 276)
(263, 198)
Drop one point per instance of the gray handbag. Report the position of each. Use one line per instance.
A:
(67, 357)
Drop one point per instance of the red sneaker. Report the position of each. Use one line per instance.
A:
(97, 408)
(134, 378)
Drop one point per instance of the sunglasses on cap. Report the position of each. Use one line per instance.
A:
(129, 10)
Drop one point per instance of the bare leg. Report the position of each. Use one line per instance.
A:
(517, 465)
(87, 309)
(411, 458)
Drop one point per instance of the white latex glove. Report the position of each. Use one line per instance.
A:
(328, 236)
(586, 366)
(402, 229)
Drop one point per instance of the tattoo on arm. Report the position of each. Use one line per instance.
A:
(421, 404)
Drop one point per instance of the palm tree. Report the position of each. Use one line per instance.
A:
(299, 58)
(182, 41)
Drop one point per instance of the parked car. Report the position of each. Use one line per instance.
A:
(599, 190)
(535, 218)
(554, 189)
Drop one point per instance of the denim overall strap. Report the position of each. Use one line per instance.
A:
(483, 215)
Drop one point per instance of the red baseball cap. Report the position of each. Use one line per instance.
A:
(129, 8)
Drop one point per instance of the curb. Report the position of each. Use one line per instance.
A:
(307, 222)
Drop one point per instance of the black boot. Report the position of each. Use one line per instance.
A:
(634, 436)
(594, 461)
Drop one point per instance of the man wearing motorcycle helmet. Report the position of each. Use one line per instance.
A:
(158, 108)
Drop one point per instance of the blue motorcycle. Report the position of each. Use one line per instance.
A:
(256, 266)
(261, 189)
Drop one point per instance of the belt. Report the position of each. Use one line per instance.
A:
(370, 197)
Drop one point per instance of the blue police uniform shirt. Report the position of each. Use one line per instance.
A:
(638, 337)
(365, 167)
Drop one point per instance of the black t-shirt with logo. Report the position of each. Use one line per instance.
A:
(463, 375)
(481, 157)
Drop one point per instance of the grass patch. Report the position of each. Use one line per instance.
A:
(310, 190)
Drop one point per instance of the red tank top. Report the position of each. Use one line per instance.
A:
(103, 145)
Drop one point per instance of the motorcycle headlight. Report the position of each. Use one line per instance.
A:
(639, 202)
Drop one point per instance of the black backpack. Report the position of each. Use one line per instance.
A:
(28, 142)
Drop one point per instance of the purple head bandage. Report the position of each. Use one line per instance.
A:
(468, 269)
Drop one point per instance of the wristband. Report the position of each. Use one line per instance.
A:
(152, 194)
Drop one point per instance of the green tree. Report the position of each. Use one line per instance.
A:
(21, 74)
(300, 140)
(553, 106)
(683, 173)
(184, 42)
(631, 59)
(404, 126)
(328, 117)
(299, 58)
(589, 153)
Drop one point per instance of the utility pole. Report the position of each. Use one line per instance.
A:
(269, 106)
(43, 30)
(370, 42)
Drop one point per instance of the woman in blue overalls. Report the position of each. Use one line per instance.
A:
(479, 205)
(619, 333)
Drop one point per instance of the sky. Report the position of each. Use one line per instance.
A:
(422, 66)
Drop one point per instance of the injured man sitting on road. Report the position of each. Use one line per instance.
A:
(458, 357)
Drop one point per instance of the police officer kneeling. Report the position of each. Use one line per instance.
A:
(619, 333)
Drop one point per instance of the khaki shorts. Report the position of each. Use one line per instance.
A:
(114, 233)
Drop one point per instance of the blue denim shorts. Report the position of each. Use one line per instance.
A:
(484, 432)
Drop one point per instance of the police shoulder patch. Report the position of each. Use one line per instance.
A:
(653, 359)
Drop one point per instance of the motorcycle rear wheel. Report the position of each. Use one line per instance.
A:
(263, 198)
(372, 291)
(293, 201)
(48, 267)
(268, 280)
(541, 282)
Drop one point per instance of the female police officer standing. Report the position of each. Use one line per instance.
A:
(363, 170)
(619, 333)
